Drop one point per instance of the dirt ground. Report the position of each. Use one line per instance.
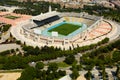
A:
(12, 21)
(81, 78)
(10, 76)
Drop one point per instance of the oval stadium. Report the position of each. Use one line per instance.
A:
(65, 30)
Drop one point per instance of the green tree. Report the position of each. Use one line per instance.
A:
(116, 56)
(6, 27)
(62, 73)
(28, 74)
(39, 65)
(18, 42)
(88, 75)
(103, 73)
(53, 67)
(69, 59)
(118, 72)
(105, 40)
(14, 62)
(74, 74)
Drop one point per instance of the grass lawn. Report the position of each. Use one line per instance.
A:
(11, 17)
(65, 29)
(62, 64)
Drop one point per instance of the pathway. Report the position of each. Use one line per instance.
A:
(4, 47)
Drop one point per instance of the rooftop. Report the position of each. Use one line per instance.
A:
(45, 15)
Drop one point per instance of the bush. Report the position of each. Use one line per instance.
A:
(6, 27)
(39, 65)
(5, 52)
(18, 42)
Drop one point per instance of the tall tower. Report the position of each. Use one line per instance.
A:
(82, 4)
(50, 8)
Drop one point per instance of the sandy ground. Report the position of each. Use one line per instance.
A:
(12, 21)
(81, 78)
(10, 76)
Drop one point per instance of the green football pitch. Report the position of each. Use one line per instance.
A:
(65, 29)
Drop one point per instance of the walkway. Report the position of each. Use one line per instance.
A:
(5, 47)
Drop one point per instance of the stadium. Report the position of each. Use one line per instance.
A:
(66, 29)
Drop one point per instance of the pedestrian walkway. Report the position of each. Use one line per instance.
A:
(4, 47)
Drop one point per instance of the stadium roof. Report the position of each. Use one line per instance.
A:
(45, 16)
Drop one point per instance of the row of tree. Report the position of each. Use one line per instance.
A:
(10, 60)
(38, 73)
(36, 8)
(108, 55)
(30, 8)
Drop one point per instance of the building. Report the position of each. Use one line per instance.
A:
(107, 4)
(116, 3)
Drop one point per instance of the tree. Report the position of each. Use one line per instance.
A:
(14, 62)
(89, 67)
(103, 73)
(39, 65)
(6, 27)
(118, 72)
(12, 50)
(53, 67)
(105, 40)
(88, 75)
(74, 74)
(62, 73)
(116, 56)
(28, 74)
(50, 76)
(5, 53)
(18, 42)
(36, 50)
(69, 59)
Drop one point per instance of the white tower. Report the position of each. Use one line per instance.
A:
(50, 8)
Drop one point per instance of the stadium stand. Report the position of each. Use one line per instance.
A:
(45, 21)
